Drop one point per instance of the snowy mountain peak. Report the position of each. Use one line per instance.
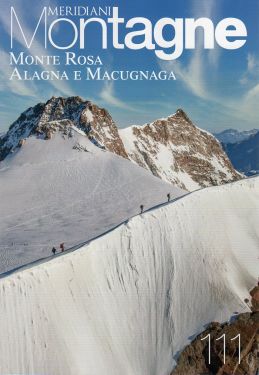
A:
(61, 114)
(177, 151)
(171, 148)
(180, 113)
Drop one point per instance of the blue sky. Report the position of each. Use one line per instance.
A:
(218, 89)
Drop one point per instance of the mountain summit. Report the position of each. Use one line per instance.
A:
(177, 151)
(62, 186)
(60, 114)
(172, 148)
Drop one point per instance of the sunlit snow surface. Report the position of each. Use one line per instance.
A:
(67, 190)
(128, 302)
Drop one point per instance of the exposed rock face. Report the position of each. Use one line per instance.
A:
(59, 114)
(255, 299)
(194, 359)
(175, 150)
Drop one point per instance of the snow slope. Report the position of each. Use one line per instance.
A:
(128, 302)
(67, 190)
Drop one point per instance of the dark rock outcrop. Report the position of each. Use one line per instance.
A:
(173, 149)
(60, 114)
(194, 360)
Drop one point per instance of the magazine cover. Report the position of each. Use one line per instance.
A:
(129, 187)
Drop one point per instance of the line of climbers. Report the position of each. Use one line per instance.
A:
(142, 206)
(62, 247)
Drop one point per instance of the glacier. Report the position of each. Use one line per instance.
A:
(67, 190)
(130, 300)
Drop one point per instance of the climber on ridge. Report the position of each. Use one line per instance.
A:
(141, 208)
(168, 197)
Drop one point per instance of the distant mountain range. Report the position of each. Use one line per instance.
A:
(234, 136)
(242, 148)
(245, 155)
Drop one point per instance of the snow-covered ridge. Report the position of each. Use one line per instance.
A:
(67, 190)
(129, 301)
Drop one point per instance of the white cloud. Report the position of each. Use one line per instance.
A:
(15, 86)
(195, 74)
(252, 63)
(253, 94)
(37, 48)
(108, 96)
(252, 70)
(192, 75)
(251, 81)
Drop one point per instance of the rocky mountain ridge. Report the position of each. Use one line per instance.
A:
(177, 151)
(60, 114)
(194, 360)
(173, 149)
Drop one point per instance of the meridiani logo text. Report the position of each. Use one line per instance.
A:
(229, 33)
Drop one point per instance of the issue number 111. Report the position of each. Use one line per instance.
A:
(223, 338)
